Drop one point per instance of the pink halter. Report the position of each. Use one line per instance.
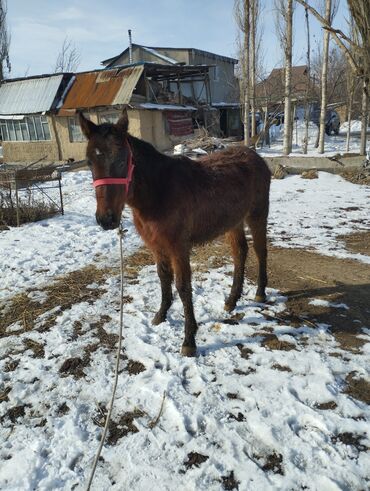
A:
(119, 180)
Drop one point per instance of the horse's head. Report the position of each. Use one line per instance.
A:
(110, 158)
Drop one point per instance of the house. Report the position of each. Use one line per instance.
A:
(103, 93)
(28, 117)
(168, 91)
(215, 93)
(223, 85)
(270, 92)
(38, 114)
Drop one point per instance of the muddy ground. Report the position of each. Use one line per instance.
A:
(303, 275)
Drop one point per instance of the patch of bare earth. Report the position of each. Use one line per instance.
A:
(61, 295)
(303, 276)
(120, 428)
(358, 242)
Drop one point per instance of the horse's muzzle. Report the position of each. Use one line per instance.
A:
(108, 221)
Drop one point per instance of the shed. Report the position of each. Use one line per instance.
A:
(27, 116)
(103, 93)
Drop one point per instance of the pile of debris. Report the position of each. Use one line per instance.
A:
(202, 144)
(357, 176)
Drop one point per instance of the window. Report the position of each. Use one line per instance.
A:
(30, 128)
(75, 133)
(45, 128)
(4, 130)
(11, 130)
(24, 130)
(38, 125)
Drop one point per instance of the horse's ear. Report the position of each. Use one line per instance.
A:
(88, 127)
(122, 123)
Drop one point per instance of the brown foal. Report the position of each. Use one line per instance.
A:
(178, 202)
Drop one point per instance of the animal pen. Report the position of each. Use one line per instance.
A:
(16, 180)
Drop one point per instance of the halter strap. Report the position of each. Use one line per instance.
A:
(125, 181)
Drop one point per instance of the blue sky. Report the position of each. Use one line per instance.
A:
(99, 29)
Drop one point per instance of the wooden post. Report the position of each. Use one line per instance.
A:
(61, 195)
(57, 139)
(17, 202)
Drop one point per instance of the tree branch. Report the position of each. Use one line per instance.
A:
(355, 67)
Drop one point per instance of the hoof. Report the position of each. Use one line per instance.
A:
(260, 298)
(158, 319)
(229, 306)
(189, 351)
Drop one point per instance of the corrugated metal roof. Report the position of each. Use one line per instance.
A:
(102, 88)
(28, 96)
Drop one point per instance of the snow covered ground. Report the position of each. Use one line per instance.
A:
(263, 406)
(333, 144)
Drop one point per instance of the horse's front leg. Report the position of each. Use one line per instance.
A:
(165, 273)
(181, 264)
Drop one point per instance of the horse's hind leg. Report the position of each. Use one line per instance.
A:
(258, 228)
(239, 248)
(165, 273)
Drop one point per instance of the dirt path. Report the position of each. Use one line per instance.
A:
(303, 276)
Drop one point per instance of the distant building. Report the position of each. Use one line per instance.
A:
(271, 90)
(38, 114)
(28, 117)
(223, 86)
(169, 92)
(215, 93)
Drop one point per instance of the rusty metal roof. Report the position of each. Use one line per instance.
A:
(29, 95)
(101, 88)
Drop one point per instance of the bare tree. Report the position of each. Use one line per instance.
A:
(242, 10)
(254, 41)
(350, 90)
(4, 41)
(356, 53)
(284, 25)
(360, 11)
(68, 58)
(308, 89)
(331, 7)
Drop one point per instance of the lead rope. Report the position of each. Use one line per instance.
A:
(121, 231)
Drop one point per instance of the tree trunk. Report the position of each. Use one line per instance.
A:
(253, 67)
(287, 143)
(246, 121)
(364, 116)
(350, 100)
(266, 126)
(324, 81)
(308, 90)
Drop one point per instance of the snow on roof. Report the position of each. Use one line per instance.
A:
(152, 51)
(168, 107)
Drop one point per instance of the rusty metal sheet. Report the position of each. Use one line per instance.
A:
(101, 88)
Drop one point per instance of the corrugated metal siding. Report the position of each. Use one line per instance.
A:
(130, 79)
(104, 88)
(29, 96)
